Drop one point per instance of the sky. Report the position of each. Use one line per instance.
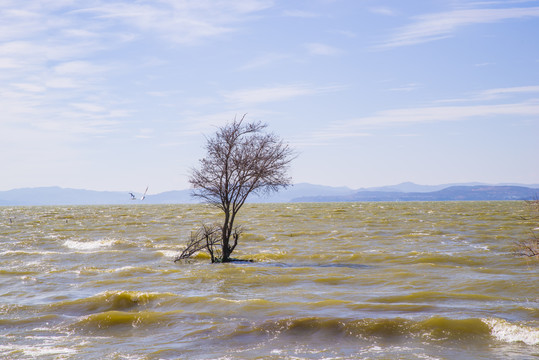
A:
(121, 94)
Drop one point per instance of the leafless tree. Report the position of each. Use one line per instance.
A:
(241, 159)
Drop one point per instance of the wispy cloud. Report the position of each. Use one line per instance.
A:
(524, 108)
(50, 77)
(446, 113)
(264, 61)
(322, 49)
(275, 93)
(380, 10)
(180, 21)
(328, 135)
(406, 88)
(432, 27)
(300, 14)
(345, 33)
(495, 94)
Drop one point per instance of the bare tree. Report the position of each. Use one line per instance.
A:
(241, 159)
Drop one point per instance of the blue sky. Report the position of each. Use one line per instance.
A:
(118, 95)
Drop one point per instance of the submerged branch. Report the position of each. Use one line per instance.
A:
(207, 237)
(530, 246)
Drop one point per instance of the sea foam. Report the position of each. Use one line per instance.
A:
(89, 245)
(507, 332)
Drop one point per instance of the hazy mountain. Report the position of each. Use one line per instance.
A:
(286, 195)
(302, 190)
(452, 193)
(298, 193)
(411, 187)
(172, 197)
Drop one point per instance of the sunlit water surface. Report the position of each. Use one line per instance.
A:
(329, 281)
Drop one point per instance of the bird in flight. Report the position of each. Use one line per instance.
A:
(133, 197)
(144, 195)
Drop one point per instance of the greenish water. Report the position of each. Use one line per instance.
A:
(330, 281)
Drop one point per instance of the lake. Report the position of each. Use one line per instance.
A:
(414, 280)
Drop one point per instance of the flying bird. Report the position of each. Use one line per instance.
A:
(144, 195)
(133, 197)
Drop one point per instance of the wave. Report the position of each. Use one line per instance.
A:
(27, 252)
(108, 319)
(506, 332)
(434, 329)
(435, 296)
(48, 350)
(89, 245)
(18, 321)
(450, 259)
(109, 301)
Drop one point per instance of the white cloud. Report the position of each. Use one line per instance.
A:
(274, 93)
(433, 114)
(89, 107)
(145, 133)
(406, 88)
(7, 63)
(29, 87)
(264, 60)
(447, 113)
(323, 138)
(438, 26)
(346, 33)
(78, 67)
(322, 49)
(495, 94)
(300, 14)
(510, 90)
(380, 10)
(182, 22)
(55, 76)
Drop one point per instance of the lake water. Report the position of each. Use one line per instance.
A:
(330, 281)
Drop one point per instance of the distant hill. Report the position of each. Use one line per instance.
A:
(61, 196)
(302, 190)
(411, 187)
(298, 193)
(452, 193)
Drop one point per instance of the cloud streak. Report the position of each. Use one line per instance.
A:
(50, 78)
(447, 113)
(527, 108)
(432, 27)
(183, 22)
(274, 93)
(322, 49)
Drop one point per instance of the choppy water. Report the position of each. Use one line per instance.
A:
(330, 281)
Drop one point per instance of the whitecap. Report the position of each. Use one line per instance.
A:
(124, 268)
(168, 253)
(89, 245)
(481, 247)
(37, 351)
(507, 332)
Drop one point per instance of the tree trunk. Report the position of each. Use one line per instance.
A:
(225, 245)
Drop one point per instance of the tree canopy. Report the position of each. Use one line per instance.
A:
(241, 159)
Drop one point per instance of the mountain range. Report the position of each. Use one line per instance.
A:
(302, 192)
